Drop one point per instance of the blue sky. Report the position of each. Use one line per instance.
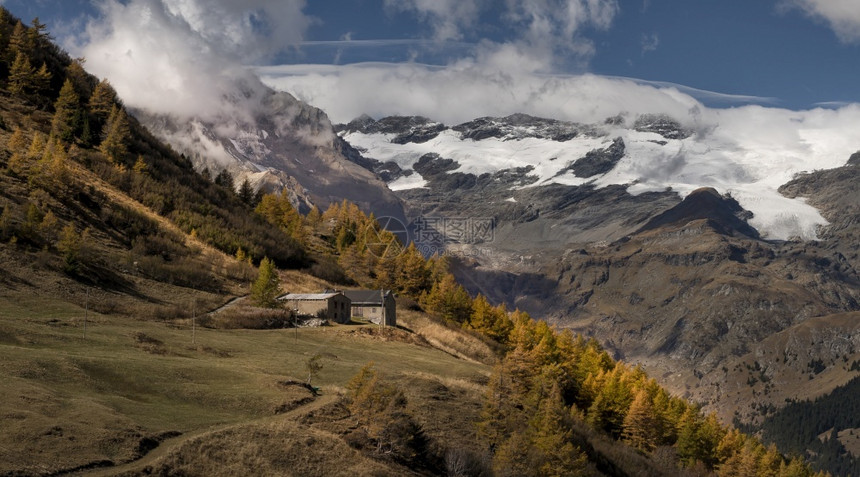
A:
(793, 54)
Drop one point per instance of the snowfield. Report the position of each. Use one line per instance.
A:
(746, 155)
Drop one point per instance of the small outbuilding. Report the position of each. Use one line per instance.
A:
(334, 306)
(376, 306)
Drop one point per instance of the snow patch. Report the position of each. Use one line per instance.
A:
(412, 181)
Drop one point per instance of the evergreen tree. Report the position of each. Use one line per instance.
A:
(640, 428)
(102, 100)
(267, 287)
(225, 179)
(550, 438)
(17, 142)
(449, 300)
(246, 192)
(21, 75)
(80, 79)
(140, 166)
(67, 113)
(42, 80)
(489, 320)
(413, 274)
(70, 247)
(117, 135)
(20, 42)
(38, 33)
(314, 217)
(37, 146)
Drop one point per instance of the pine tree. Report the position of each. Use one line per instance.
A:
(223, 179)
(20, 42)
(102, 100)
(70, 246)
(48, 227)
(117, 135)
(314, 217)
(413, 274)
(550, 437)
(17, 142)
(21, 75)
(639, 427)
(246, 192)
(267, 287)
(42, 80)
(140, 166)
(80, 79)
(38, 32)
(67, 114)
(37, 146)
(449, 300)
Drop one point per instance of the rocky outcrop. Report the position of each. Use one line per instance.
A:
(723, 213)
(662, 125)
(598, 161)
(520, 126)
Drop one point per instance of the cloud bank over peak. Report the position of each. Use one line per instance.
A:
(184, 57)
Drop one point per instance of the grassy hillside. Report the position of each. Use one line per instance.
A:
(70, 400)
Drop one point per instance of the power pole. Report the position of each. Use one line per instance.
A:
(382, 302)
(193, 323)
(86, 312)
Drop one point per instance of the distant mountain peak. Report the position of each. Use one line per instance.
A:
(723, 213)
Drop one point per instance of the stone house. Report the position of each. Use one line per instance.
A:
(334, 306)
(376, 306)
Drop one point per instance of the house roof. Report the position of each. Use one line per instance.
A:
(307, 296)
(365, 297)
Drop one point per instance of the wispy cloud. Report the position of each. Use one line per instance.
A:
(649, 43)
(843, 16)
(448, 18)
(544, 33)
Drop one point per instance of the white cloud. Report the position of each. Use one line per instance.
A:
(183, 56)
(544, 32)
(843, 16)
(448, 18)
(494, 85)
(649, 43)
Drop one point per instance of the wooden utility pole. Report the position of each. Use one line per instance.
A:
(193, 323)
(296, 319)
(382, 302)
(86, 312)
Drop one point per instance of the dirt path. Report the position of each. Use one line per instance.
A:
(173, 443)
(231, 303)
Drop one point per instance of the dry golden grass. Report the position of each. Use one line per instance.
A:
(294, 281)
(453, 341)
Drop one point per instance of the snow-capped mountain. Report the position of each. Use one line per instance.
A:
(648, 153)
